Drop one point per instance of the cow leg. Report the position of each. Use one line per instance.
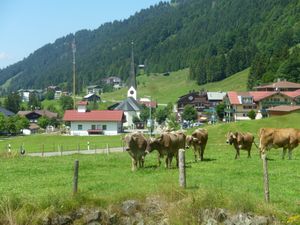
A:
(195, 153)
(133, 164)
(237, 155)
(201, 153)
(283, 153)
(290, 154)
(159, 162)
(249, 153)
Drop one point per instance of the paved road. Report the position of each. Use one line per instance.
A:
(85, 152)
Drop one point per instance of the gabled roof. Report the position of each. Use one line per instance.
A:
(259, 95)
(284, 108)
(233, 98)
(90, 95)
(215, 96)
(39, 112)
(280, 84)
(94, 115)
(129, 104)
(6, 112)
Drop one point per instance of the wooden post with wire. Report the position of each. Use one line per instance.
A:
(266, 178)
(75, 178)
(182, 173)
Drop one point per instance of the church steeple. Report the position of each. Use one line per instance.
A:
(132, 79)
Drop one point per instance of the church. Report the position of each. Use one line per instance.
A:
(130, 105)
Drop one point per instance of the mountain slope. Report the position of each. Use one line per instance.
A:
(215, 38)
(166, 89)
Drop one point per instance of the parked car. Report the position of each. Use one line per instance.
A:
(197, 124)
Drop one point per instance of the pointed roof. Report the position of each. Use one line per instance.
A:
(94, 115)
(132, 78)
(129, 104)
(6, 112)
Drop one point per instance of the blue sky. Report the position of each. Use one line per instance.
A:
(26, 25)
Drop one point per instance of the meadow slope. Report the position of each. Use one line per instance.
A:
(165, 89)
(107, 179)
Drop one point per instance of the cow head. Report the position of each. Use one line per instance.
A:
(129, 140)
(231, 137)
(150, 145)
(189, 141)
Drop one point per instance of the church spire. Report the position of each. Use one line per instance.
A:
(132, 78)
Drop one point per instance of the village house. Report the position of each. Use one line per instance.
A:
(238, 104)
(280, 85)
(115, 81)
(93, 89)
(25, 93)
(92, 97)
(84, 122)
(33, 117)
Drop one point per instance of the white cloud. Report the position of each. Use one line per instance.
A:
(3, 56)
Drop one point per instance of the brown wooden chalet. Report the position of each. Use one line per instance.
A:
(195, 98)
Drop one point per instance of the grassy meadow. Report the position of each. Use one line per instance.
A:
(177, 84)
(52, 143)
(220, 181)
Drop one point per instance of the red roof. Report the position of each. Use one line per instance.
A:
(152, 104)
(82, 103)
(233, 98)
(293, 94)
(284, 108)
(259, 95)
(280, 84)
(94, 115)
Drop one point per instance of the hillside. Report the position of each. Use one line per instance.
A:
(166, 89)
(215, 39)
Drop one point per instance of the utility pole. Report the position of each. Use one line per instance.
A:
(150, 119)
(74, 67)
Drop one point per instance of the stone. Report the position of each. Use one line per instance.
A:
(113, 219)
(261, 220)
(211, 221)
(92, 216)
(220, 215)
(129, 207)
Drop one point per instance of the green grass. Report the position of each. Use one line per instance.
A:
(166, 89)
(34, 143)
(219, 181)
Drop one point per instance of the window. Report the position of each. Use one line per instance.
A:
(93, 127)
(79, 126)
(104, 127)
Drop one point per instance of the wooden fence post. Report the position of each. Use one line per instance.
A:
(107, 149)
(88, 145)
(75, 178)
(182, 174)
(266, 178)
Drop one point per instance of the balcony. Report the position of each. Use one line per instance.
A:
(266, 104)
(229, 110)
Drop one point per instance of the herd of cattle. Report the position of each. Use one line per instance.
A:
(169, 143)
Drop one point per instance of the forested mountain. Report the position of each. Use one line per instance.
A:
(215, 38)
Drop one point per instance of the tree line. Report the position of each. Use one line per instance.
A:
(215, 39)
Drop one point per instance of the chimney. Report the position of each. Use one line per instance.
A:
(82, 106)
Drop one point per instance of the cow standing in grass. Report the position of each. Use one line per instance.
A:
(135, 145)
(168, 145)
(286, 138)
(241, 141)
(198, 140)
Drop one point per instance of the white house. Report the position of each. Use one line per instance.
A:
(83, 122)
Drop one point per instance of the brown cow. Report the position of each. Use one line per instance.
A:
(198, 139)
(167, 144)
(136, 145)
(286, 138)
(241, 141)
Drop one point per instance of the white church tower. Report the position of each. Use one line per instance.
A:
(132, 88)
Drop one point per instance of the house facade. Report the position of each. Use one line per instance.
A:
(238, 104)
(83, 122)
